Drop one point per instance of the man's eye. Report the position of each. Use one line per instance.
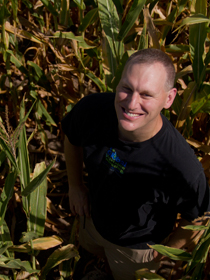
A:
(146, 95)
(127, 89)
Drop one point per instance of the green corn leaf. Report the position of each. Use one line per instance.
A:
(131, 17)
(4, 13)
(27, 267)
(177, 48)
(67, 35)
(143, 40)
(198, 105)
(96, 80)
(23, 157)
(4, 277)
(203, 105)
(65, 253)
(80, 4)
(15, 8)
(89, 18)
(5, 239)
(85, 46)
(197, 38)
(201, 7)
(177, 104)
(118, 6)
(38, 205)
(42, 112)
(8, 153)
(17, 63)
(38, 76)
(37, 181)
(28, 236)
(144, 273)
(195, 19)
(194, 227)
(111, 47)
(64, 12)
(200, 254)
(50, 7)
(7, 194)
(120, 69)
(2, 157)
(167, 28)
(172, 253)
(18, 264)
(181, 5)
(42, 243)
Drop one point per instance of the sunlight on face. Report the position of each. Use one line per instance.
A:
(140, 97)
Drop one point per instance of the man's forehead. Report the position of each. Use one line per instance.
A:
(128, 68)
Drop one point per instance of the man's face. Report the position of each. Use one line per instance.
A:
(140, 97)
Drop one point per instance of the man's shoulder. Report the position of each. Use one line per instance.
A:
(179, 152)
(99, 99)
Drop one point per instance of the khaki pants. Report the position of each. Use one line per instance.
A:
(123, 261)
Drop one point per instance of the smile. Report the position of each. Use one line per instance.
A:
(131, 114)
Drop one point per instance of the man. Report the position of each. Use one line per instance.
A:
(141, 171)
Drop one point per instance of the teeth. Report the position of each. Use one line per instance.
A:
(131, 115)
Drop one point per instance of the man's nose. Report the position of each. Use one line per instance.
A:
(134, 100)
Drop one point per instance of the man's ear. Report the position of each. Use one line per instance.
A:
(170, 98)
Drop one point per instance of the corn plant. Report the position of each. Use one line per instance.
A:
(55, 52)
(33, 191)
(196, 261)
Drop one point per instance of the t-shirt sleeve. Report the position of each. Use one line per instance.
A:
(75, 122)
(196, 201)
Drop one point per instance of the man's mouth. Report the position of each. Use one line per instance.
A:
(131, 114)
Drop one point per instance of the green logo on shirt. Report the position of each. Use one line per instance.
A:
(115, 162)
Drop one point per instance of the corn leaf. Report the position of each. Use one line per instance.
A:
(197, 37)
(96, 80)
(67, 35)
(80, 4)
(37, 181)
(50, 7)
(38, 76)
(111, 47)
(38, 205)
(195, 19)
(172, 253)
(23, 157)
(89, 18)
(120, 69)
(7, 194)
(17, 63)
(65, 253)
(5, 239)
(64, 12)
(18, 264)
(167, 28)
(15, 8)
(42, 112)
(2, 157)
(131, 17)
(177, 48)
(194, 227)
(144, 273)
(42, 243)
(143, 40)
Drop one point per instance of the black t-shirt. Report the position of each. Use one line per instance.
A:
(136, 189)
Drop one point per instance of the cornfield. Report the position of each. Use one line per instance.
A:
(53, 53)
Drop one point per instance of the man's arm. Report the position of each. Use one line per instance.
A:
(78, 192)
(180, 238)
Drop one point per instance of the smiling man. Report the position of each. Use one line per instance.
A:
(141, 171)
